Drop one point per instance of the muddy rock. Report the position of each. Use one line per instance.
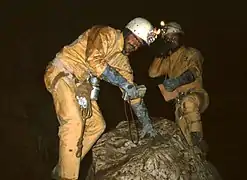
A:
(117, 156)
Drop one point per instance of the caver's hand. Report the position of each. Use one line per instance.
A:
(140, 90)
(166, 94)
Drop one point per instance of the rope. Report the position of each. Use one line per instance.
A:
(129, 122)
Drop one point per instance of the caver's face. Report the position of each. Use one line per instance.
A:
(132, 43)
(172, 40)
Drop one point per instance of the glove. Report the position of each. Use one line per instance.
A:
(141, 90)
(172, 83)
(112, 76)
(142, 114)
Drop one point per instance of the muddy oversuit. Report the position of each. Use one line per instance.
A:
(191, 99)
(90, 53)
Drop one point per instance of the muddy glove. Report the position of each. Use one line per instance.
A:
(172, 83)
(83, 92)
(143, 117)
(112, 76)
(141, 90)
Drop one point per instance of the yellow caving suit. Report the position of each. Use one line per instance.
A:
(90, 53)
(191, 99)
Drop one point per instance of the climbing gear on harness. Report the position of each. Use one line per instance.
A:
(94, 81)
(82, 93)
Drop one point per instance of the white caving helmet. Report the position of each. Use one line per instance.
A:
(170, 28)
(143, 29)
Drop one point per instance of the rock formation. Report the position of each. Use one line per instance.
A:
(167, 157)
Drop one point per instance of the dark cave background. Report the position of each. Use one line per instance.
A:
(33, 32)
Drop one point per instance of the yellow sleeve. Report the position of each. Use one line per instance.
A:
(196, 61)
(156, 69)
(98, 42)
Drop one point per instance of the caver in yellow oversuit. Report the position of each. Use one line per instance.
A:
(72, 78)
(177, 70)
